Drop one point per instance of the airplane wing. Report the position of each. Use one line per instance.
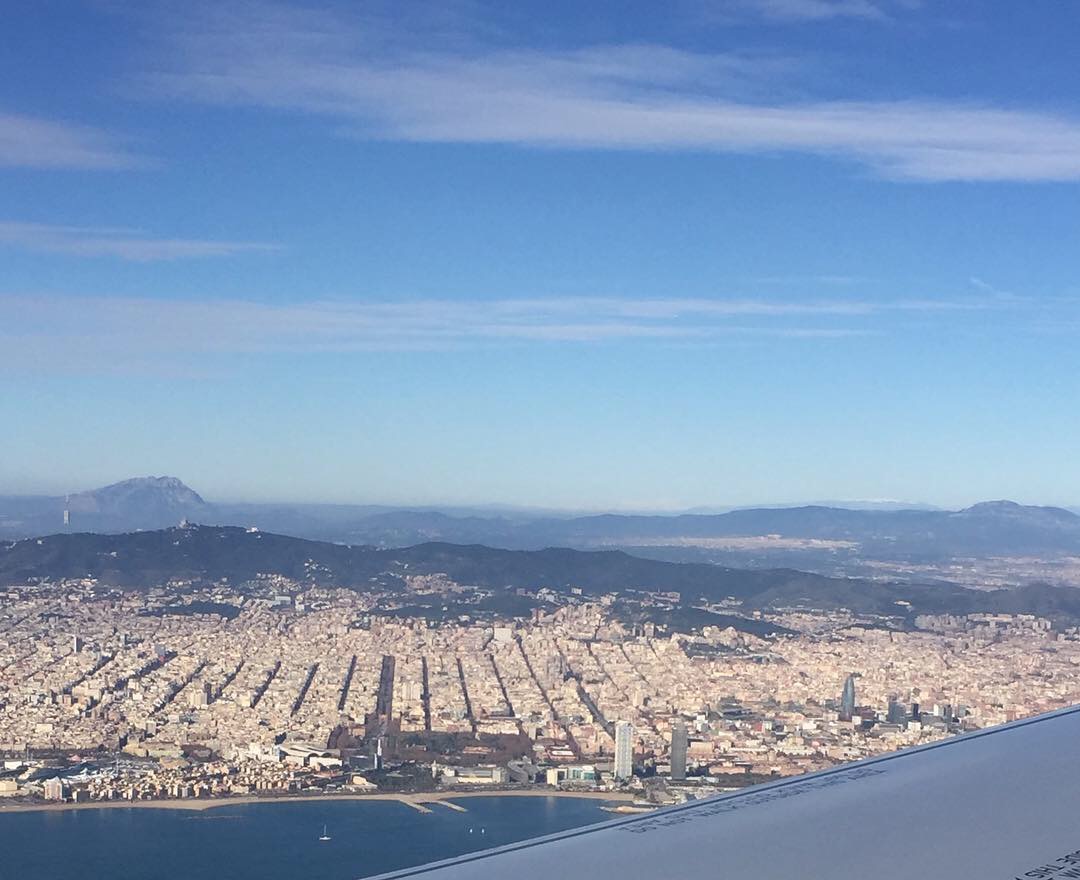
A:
(997, 804)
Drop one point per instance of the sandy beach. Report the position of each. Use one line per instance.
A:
(417, 801)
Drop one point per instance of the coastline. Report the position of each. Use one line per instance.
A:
(415, 800)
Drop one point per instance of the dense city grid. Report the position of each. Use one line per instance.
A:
(291, 690)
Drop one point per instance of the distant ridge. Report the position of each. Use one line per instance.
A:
(992, 528)
(210, 554)
(1027, 514)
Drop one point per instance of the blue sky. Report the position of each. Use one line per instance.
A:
(604, 255)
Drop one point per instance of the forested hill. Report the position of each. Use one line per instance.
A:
(211, 554)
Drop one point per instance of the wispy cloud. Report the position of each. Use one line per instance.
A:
(27, 142)
(994, 292)
(789, 280)
(372, 84)
(93, 332)
(820, 10)
(125, 244)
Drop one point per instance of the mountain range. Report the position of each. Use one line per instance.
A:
(212, 554)
(997, 528)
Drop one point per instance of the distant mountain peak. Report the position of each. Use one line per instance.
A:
(172, 488)
(998, 506)
(1011, 509)
(163, 482)
(156, 499)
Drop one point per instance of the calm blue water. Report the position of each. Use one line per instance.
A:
(276, 841)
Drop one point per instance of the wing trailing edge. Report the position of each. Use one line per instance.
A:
(997, 803)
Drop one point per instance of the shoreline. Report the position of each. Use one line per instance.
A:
(415, 800)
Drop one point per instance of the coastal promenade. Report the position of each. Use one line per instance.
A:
(415, 800)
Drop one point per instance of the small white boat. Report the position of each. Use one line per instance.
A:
(325, 836)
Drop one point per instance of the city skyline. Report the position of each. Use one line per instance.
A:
(764, 251)
(601, 704)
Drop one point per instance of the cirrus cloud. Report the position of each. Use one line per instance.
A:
(101, 332)
(126, 244)
(30, 142)
(373, 84)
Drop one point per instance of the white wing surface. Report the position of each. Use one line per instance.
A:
(997, 804)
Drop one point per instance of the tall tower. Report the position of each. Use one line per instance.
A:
(679, 744)
(624, 750)
(847, 699)
(67, 511)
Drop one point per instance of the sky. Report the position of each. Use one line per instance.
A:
(605, 255)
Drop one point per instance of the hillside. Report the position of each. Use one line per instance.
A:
(208, 554)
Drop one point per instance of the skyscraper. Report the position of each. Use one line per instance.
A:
(624, 750)
(678, 750)
(847, 699)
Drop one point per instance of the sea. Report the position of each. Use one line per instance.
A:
(272, 841)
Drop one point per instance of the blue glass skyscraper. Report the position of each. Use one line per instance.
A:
(847, 699)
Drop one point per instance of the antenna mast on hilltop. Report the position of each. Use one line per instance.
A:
(67, 511)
